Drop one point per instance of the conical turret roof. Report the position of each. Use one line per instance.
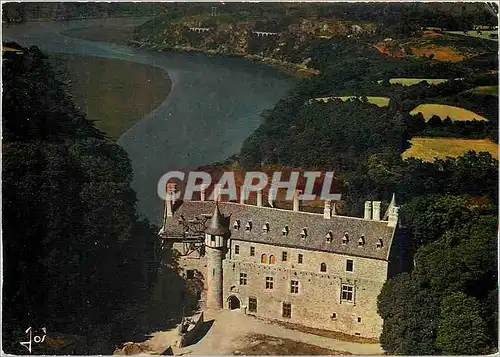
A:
(219, 225)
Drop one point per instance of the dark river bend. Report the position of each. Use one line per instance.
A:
(213, 106)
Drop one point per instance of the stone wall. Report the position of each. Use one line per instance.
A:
(319, 295)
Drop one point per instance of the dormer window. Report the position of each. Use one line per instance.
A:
(361, 241)
(265, 228)
(248, 227)
(303, 233)
(345, 238)
(329, 237)
(236, 224)
(285, 231)
(379, 244)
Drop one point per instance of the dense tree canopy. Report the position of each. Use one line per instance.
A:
(76, 256)
(445, 305)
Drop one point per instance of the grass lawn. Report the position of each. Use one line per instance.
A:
(412, 81)
(428, 149)
(380, 101)
(115, 94)
(441, 110)
(488, 90)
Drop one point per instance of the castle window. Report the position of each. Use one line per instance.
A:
(349, 265)
(334, 316)
(252, 304)
(359, 319)
(252, 251)
(265, 228)
(329, 237)
(379, 244)
(236, 224)
(361, 241)
(190, 274)
(294, 287)
(347, 292)
(269, 282)
(212, 239)
(248, 227)
(263, 258)
(300, 260)
(287, 310)
(345, 238)
(285, 231)
(322, 268)
(236, 249)
(243, 278)
(272, 259)
(284, 256)
(303, 233)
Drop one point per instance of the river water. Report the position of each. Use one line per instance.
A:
(213, 106)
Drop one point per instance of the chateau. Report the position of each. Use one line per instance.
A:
(319, 270)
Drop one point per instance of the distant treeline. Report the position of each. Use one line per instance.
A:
(22, 12)
(397, 17)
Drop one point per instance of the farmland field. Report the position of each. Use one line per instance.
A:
(428, 149)
(412, 81)
(485, 90)
(443, 111)
(485, 34)
(380, 101)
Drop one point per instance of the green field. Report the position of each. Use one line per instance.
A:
(428, 149)
(485, 90)
(380, 101)
(485, 34)
(115, 94)
(443, 111)
(412, 81)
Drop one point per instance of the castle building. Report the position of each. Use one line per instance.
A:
(319, 270)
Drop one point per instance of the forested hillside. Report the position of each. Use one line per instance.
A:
(77, 260)
(446, 301)
(45, 11)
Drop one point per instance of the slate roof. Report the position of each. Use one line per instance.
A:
(219, 225)
(317, 228)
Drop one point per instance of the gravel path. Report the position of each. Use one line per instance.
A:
(230, 328)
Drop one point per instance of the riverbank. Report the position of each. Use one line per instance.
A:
(122, 33)
(115, 94)
(119, 31)
(293, 69)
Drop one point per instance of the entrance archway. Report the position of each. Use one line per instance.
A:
(233, 302)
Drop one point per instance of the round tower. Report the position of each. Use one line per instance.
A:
(215, 243)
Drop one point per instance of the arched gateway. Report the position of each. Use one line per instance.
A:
(233, 302)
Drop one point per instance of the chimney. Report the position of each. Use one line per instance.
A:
(168, 206)
(171, 191)
(271, 195)
(334, 208)
(327, 211)
(217, 189)
(376, 210)
(368, 210)
(259, 198)
(202, 192)
(243, 191)
(393, 217)
(296, 202)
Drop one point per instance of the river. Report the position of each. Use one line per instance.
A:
(213, 106)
